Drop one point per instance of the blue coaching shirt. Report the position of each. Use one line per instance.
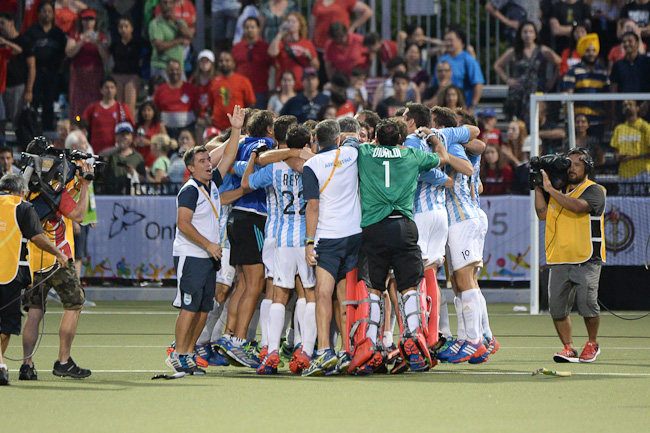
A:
(253, 201)
(466, 73)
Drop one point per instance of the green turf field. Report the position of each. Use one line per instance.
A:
(124, 344)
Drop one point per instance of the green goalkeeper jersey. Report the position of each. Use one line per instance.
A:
(388, 178)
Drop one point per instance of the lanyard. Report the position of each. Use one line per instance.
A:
(336, 160)
(210, 201)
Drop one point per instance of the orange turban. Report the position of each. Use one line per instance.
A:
(585, 41)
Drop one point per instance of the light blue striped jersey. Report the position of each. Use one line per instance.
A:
(290, 205)
(460, 206)
(429, 193)
(272, 213)
(476, 178)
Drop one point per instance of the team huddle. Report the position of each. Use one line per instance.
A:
(313, 231)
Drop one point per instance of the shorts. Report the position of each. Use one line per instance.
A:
(246, 237)
(393, 242)
(66, 284)
(289, 262)
(10, 315)
(566, 282)
(196, 278)
(226, 274)
(81, 243)
(484, 228)
(463, 244)
(268, 254)
(338, 256)
(432, 235)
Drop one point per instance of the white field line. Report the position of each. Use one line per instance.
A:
(466, 373)
(90, 346)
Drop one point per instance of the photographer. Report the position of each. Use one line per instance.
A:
(575, 250)
(18, 224)
(64, 280)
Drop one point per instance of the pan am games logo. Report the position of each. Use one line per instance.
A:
(122, 219)
(619, 231)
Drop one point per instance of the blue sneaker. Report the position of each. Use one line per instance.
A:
(227, 345)
(180, 366)
(467, 352)
(205, 356)
(219, 346)
(321, 364)
(240, 355)
(252, 350)
(451, 350)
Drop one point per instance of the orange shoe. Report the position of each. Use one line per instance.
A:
(362, 354)
(263, 353)
(270, 365)
(300, 362)
(566, 355)
(590, 352)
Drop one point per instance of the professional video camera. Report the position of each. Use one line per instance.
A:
(556, 167)
(48, 169)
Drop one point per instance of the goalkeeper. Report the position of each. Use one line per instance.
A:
(388, 176)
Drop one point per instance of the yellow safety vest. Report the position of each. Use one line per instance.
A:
(11, 239)
(41, 260)
(572, 238)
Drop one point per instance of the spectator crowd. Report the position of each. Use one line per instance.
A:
(128, 76)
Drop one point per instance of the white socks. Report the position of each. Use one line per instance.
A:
(310, 331)
(264, 320)
(299, 320)
(374, 316)
(410, 308)
(471, 302)
(458, 304)
(276, 323)
(443, 318)
(221, 323)
(210, 323)
(485, 321)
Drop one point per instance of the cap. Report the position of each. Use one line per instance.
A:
(123, 127)
(88, 13)
(206, 54)
(210, 132)
(309, 70)
(488, 112)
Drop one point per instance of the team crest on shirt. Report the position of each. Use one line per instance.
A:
(224, 92)
(185, 99)
(187, 299)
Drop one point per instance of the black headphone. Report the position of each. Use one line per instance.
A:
(584, 157)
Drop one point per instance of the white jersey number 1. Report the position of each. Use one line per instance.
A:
(387, 174)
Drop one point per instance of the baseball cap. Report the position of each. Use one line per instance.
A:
(488, 112)
(88, 13)
(309, 70)
(123, 127)
(210, 132)
(206, 54)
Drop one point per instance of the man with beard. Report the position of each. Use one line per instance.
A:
(588, 76)
(227, 90)
(575, 251)
(632, 143)
(630, 74)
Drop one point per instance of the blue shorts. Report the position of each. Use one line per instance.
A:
(338, 256)
(196, 279)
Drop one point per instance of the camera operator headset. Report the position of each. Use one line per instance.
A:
(575, 251)
(50, 174)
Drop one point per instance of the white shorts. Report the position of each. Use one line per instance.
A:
(289, 262)
(484, 228)
(226, 275)
(463, 244)
(268, 252)
(432, 235)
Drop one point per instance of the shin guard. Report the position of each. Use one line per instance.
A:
(420, 336)
(434, 307)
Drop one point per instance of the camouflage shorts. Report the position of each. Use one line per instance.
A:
(66, 284)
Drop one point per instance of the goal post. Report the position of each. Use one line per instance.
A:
(569, 100)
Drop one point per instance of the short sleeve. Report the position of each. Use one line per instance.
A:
(475, 73)
(433, 177)
(413, 142)
(594, 195)
(261, 178)
(458, 151)
(188, 198)
(426, 161)
(240, 167)
(216, 177)
(154, 30)
(569, 81)
(310, 189)
(67, 204)
(28, 221)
